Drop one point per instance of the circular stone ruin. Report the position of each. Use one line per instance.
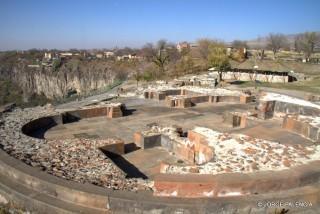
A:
(172, 149)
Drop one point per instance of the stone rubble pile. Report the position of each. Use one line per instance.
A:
(77, 159)
(81, 160)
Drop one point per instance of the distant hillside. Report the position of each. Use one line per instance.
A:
(261, 42)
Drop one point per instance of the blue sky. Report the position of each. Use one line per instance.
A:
(64, 24)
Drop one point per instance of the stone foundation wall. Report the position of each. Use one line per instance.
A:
(228, 99)
(108, 111)
(241, 76)
(183, 98)
(312, 97)
(32, 127)
(292, 123)
(197, 153)
(282, 108)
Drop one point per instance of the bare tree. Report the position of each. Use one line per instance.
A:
(276, 42)
(239, 44)
(148, 51)
(203, 47)
(306, 42)
(161, 57)
(137, 76)
(162, 44)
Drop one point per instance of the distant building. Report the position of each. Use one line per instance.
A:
(99, 56)
(47, 55)
(182, 45)
(128, 57)
(194, 45)
(66, 54)
(229, 50)
(108, 54)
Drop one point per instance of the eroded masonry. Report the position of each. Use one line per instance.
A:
(183, 139)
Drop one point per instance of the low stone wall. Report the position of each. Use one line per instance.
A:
(147, 141)
(235, 184)
(183, 98)
(100, 200)
(312, 97)
(161, 95)
(242, 76)
(283, 108)
(292, 123)
(44, 123)
(41, 124)
(108, 111)
(228, 99)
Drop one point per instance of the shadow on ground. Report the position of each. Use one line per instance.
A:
(128, 168)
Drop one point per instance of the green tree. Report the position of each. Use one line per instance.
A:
(218, 58)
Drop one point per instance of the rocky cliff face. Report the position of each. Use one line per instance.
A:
(72, 76)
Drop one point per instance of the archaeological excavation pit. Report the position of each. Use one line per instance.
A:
(169, 147)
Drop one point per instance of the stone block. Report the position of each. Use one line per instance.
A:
(243, 121)
(147, 141)
(114, 112)
(170, 102)
(163, 167)
(266, 109)
(161, 96)
(246, 99)
(233, 120)
(183, 103)
(146, 94)
(313, 132)
(183, 152)
(287, 123)
(167, 143)
(197, 138)
(115, 148)
(203, 153)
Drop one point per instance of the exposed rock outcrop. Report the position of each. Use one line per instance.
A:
(73, 76)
